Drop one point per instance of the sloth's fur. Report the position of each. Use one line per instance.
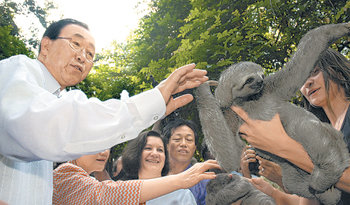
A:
(243, 84)
(220, 189)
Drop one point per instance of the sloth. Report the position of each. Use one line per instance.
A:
(220, 189)
(243, 84)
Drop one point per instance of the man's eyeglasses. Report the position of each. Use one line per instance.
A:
(76, 45)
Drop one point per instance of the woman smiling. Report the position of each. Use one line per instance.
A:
(146, 157)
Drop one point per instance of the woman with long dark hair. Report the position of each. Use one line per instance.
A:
(146, 157)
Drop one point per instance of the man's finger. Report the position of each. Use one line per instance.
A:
(190, 84)
(195, 73)
(181, 72)
(210, 164)
(211, 161)
(241, 113)
(201, 78)
(180, 101)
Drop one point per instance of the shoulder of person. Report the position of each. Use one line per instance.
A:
(18, 59)
(22, 63)
(69, 168)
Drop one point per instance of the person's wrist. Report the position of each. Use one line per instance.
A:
(178, 181)
(164, 89)
(283, 149)
(246, 172)
(273, 193)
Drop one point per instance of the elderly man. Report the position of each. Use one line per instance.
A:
(38, 125)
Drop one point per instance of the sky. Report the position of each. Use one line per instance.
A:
(108, 20)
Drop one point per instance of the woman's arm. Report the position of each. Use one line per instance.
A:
(153, 188)
(271, 136)
(73, 185)
(344, 181)
(281, 198)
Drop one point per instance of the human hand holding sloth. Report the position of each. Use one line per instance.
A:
(271, 136)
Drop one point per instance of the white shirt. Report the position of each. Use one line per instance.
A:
(178, 197)
(37, 127)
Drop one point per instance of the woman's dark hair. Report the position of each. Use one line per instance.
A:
(178, 122)
(335, 67)
(54, 30)
(131, 156)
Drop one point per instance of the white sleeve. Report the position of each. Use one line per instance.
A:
(35, 124)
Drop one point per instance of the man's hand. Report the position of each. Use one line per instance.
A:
(181, 79)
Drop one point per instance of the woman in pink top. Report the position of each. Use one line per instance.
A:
(73, 184)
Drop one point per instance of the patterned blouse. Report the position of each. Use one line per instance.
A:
(73, 185)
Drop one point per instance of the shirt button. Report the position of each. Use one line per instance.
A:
(123, 137)
(155, 117)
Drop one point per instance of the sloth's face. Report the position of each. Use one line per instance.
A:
(249, 81)
(250, 85)
(239, 81)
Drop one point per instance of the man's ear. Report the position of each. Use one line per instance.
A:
(45, 45)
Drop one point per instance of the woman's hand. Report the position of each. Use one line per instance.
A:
(271, 137)
(265, 135)
(197, 173)
(262, 185)
(152, 188)
(271, 171)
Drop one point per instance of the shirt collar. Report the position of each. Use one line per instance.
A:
(50, 83)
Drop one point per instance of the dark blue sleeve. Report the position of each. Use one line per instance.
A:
(199, 191)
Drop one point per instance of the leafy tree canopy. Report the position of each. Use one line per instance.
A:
(11, 42)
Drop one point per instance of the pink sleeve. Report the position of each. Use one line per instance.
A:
(72, 185)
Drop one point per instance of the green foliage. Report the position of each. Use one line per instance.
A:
(111, 75)
(10, 40)
(11, 45)
(157, 38)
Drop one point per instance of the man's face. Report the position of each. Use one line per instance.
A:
(68, 66)
(181, 146)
